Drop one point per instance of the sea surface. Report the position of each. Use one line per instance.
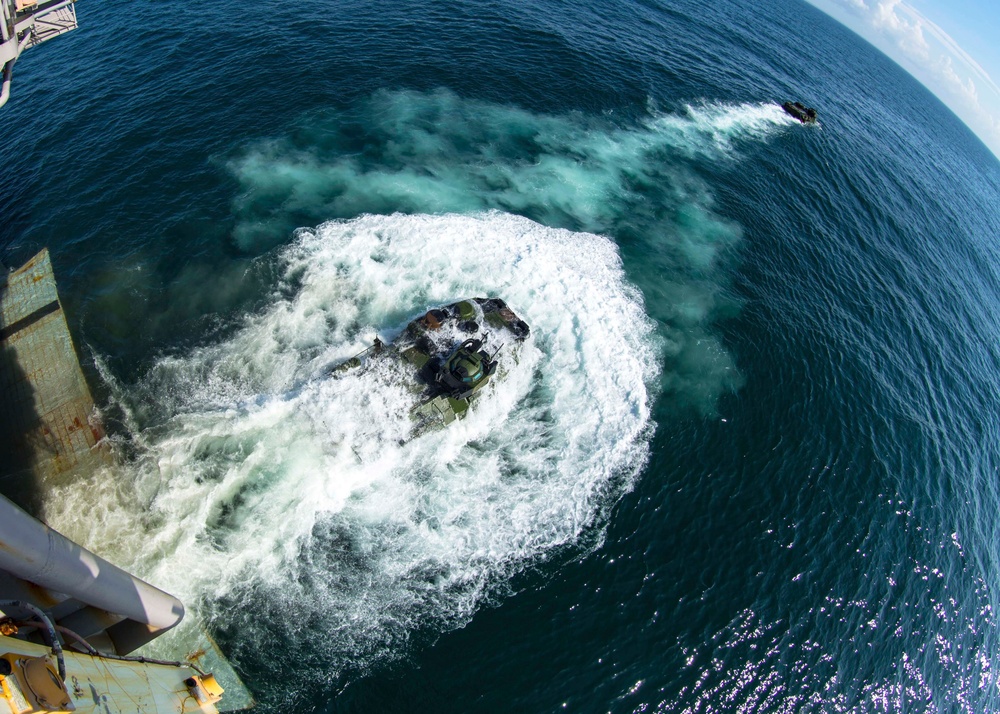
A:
(748, 459)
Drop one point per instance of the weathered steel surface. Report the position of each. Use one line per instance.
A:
(47, 423)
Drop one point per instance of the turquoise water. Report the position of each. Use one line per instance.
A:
(747, 460)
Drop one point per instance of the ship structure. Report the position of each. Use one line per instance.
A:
(48, 430)
(71, 622)
(27, 24)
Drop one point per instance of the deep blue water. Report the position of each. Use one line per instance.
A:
(750, 460)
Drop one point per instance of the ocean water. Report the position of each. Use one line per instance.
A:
(747, 460)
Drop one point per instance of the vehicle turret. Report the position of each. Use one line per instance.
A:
(466, 370)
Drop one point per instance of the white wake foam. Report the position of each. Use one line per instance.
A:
(261, 479)
(638, 181)
(438, 152)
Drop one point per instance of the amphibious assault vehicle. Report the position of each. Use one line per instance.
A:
(452, 352)
(806, 115)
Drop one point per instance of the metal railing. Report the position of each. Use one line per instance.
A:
(27, 23)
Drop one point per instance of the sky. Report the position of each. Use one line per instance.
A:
(952, 47)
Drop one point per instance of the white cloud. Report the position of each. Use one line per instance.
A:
(966, 89)
(932, 55)
(948, 43)
(907, 33)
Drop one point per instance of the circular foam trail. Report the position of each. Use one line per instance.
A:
(269, 480)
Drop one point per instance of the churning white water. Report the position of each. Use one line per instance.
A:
(261, 479)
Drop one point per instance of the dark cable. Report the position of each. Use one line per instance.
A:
(50, 631)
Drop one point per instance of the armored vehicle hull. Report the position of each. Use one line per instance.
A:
(804, 114)
(450, 353)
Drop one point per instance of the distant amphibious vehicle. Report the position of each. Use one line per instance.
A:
(804, 114)
(447, 351)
